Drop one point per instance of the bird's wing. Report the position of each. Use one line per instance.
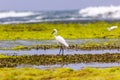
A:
(61, 40)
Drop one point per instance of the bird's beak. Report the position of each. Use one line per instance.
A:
(52, 32)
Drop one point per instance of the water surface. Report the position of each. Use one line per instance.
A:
(56, 51)
(73, 66)
(7, 44)
(13, 43)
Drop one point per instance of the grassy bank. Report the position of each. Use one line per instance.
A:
(60, 74)
(69, 31)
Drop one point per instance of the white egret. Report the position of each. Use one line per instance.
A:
(112, 28)
(60, 40)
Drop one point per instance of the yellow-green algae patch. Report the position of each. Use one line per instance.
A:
(3, 56)
(43, 31)
(60, 74)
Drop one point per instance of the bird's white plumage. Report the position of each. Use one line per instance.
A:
(112, 27)
(61, 41)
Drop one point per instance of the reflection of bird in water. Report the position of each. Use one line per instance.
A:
(112, 28)
(60, 40)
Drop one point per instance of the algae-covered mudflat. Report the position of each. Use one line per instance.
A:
(59, 40)
(42, 31)
(13, 61)
(60, 74)
(54, 73)
(28, 51)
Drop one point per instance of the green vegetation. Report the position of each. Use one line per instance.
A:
(43, 31)
(60, 74)
(11, 61)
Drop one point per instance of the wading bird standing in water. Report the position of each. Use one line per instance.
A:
(60, 40)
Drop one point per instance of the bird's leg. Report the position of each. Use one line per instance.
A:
(60, 49)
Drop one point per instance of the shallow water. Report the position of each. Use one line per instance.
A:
(56, 51)
(13, 43)
(10, 44)
(73, 66)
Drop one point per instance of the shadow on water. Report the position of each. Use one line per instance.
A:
(73, 66)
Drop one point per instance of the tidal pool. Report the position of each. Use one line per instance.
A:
(73, 66)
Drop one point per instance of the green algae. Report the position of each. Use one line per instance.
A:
(12, 61)
(42, 31)
(60, 74)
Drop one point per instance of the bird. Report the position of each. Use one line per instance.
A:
(61, 41)
(112, 28)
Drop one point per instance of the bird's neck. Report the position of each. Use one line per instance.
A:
(55, 34)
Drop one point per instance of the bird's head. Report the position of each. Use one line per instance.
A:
(54, 31)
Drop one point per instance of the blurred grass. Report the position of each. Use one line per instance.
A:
(43, 31)
(60, 74)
